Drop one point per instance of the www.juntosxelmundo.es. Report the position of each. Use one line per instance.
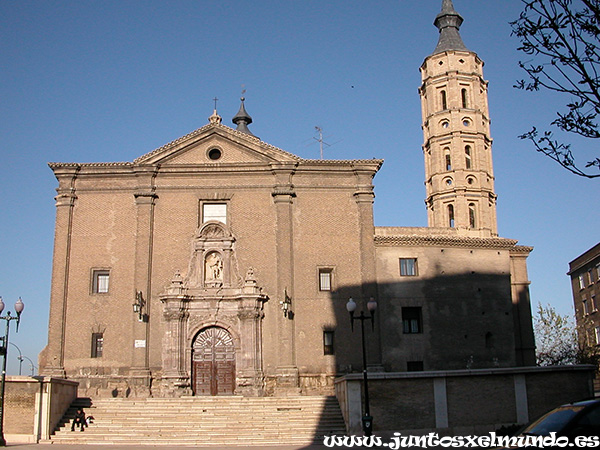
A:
(491, 440)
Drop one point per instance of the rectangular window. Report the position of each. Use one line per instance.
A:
(97, 345)
(100, 281)
(586, 308)
(594, 304)
(328, 342)
(412, 320)
(414, 366)
(597, 335)
(590, 277)
(581, 282)
(598, 272)
(214, 211)
(408, 267)
(325, 279)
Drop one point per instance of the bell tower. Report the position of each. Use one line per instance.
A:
(457, 145)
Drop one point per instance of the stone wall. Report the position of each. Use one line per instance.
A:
(34, 406)
(461, 402)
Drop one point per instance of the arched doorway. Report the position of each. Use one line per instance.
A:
(213, 361)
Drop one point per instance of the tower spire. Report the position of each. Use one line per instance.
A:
(448, 21)
(242, 119)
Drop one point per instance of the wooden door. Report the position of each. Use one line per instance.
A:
(213, 362)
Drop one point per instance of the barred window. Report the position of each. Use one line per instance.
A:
(100, 281)
(325, 279)
(97, 345)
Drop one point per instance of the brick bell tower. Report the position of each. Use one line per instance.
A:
(457, 145)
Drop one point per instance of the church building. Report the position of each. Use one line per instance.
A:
(218, 264)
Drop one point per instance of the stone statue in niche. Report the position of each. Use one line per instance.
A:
(213, 268)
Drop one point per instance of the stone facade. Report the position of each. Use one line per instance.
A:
(238, 259)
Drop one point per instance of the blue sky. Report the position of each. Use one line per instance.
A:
(100, 81)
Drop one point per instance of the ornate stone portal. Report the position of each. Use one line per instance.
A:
(213, 323)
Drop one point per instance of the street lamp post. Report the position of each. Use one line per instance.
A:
(31, 363)
(4, 350)
(20, 357)
(367, 419)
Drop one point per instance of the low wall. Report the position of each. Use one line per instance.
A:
(33, 406)
(461, 402)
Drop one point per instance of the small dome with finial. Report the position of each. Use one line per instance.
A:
(242, 119)
(448, 21)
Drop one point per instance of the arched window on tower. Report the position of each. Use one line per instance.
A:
(472, 216)
(444, 100)
(451, 216)
(463, 94)
(447, 159)
(468, 163)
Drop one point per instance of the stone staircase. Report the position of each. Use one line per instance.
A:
(205, 421)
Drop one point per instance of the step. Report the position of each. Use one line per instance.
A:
(210, 421)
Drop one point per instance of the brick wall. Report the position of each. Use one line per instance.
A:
(463, 401)
(33, 406)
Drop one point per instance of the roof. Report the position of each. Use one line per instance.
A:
(448, 21)
(265, 151)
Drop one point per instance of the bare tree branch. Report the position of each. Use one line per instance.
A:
(563, 39)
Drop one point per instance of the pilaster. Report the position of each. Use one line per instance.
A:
(145, 198)
(283, 193)
(54, 353)
(364, 197)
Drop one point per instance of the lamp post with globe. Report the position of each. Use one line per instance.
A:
(3, 351)
(367, 419)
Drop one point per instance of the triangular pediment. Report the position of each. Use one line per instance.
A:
(216, 143)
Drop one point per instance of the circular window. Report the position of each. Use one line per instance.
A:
(445, 124)
(449, 181)
(214, 154)
(466, 122)
(470, 180)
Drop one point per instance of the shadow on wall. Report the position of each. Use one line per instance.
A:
(448, 322)
(465, 321)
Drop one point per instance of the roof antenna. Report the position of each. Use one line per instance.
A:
(320, 140)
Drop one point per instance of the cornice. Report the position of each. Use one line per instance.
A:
(521, 249)
(330, 162)
(59, 165)
(449, 241)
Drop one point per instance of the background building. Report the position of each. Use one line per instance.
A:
(585, 282)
